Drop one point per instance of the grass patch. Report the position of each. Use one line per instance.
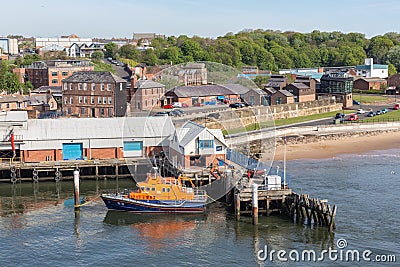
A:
(364, 99)
(391, 116)
(309, 117)
(101, 66)
(285, 122)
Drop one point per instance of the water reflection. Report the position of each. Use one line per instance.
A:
(157, 230)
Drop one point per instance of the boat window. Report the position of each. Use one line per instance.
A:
(168, 189)
(142, 188)
(153, 189)
(148, 189)
(163, 189)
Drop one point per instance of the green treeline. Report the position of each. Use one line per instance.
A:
(270, 50)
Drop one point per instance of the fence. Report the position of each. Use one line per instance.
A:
(245, 161)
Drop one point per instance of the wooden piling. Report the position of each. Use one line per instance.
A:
(332, 221)
(76, 189)
(237, 206)
(254, 196)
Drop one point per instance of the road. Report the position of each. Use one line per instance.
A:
(120, 71)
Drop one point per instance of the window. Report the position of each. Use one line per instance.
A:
(93, 86)
(92, 100)
(102, 87)
(71, 100)
(65, 100)
(69, 110)
(218, 148)
(79, 86)
(104, 100)
(8, 105)
(70, 86)
(108, 86)
(80, 99)
(83, 111)
(102, 111)
(109, 100)
(99, 100)
(54, 73)
(206, 143)
(85, 99)
(65, 86)
(64, 73)
(110, 112)
(120, 86)
(85, 86)
(54, 81)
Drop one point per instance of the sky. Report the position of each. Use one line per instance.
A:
(205, 18)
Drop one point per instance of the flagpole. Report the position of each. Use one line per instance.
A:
(284, 162)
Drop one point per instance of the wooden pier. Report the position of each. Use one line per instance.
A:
(255, 200)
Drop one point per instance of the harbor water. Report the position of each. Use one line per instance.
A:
(38, 226)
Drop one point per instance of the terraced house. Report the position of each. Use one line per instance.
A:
(94, 94)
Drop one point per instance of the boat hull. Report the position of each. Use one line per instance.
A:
(153, 206)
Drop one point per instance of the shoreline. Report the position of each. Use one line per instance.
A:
(322, 147)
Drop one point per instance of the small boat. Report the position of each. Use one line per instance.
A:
(159, 195)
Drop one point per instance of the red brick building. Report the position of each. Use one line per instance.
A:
(146, 95)
(94, 94)
(370, 84)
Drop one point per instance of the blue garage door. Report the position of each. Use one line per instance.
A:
(72, 151)
(133, 149)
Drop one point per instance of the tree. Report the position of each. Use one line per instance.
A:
(378, 48)
(149, 57)
(9, 81)
(111, 49)
(97, 55)
(129, 51)
(391, 69)
(261, 80)
(393, 56)
(172, 55)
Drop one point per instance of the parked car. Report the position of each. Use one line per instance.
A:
(378, 112)
(353, 117)
(198, 104)
(174, 113)
(371, 114)
(396, 106)
(361, 111)
(234, 105)
(168, 106)
(384, 110)
(179, 111)
(161, 114)
(355, 102)
(184, 105)
(177, 104)
(339, 116)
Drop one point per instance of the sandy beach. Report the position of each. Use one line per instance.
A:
(340, 145)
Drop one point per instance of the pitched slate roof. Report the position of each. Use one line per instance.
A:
(144, 84)
(300, 85)
(200, 90)
(12, 98)
(94, 77)
(286, 93)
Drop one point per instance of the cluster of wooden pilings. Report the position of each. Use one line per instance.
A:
(255, 200)
(303, 209)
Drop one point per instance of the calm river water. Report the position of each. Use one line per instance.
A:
(37, 228)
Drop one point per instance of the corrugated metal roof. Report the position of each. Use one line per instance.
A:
(103, 128)
(13, 116)
(286, 93)
(193, 130)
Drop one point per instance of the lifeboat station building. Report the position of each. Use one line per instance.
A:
(195, 145)
(37, 140)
